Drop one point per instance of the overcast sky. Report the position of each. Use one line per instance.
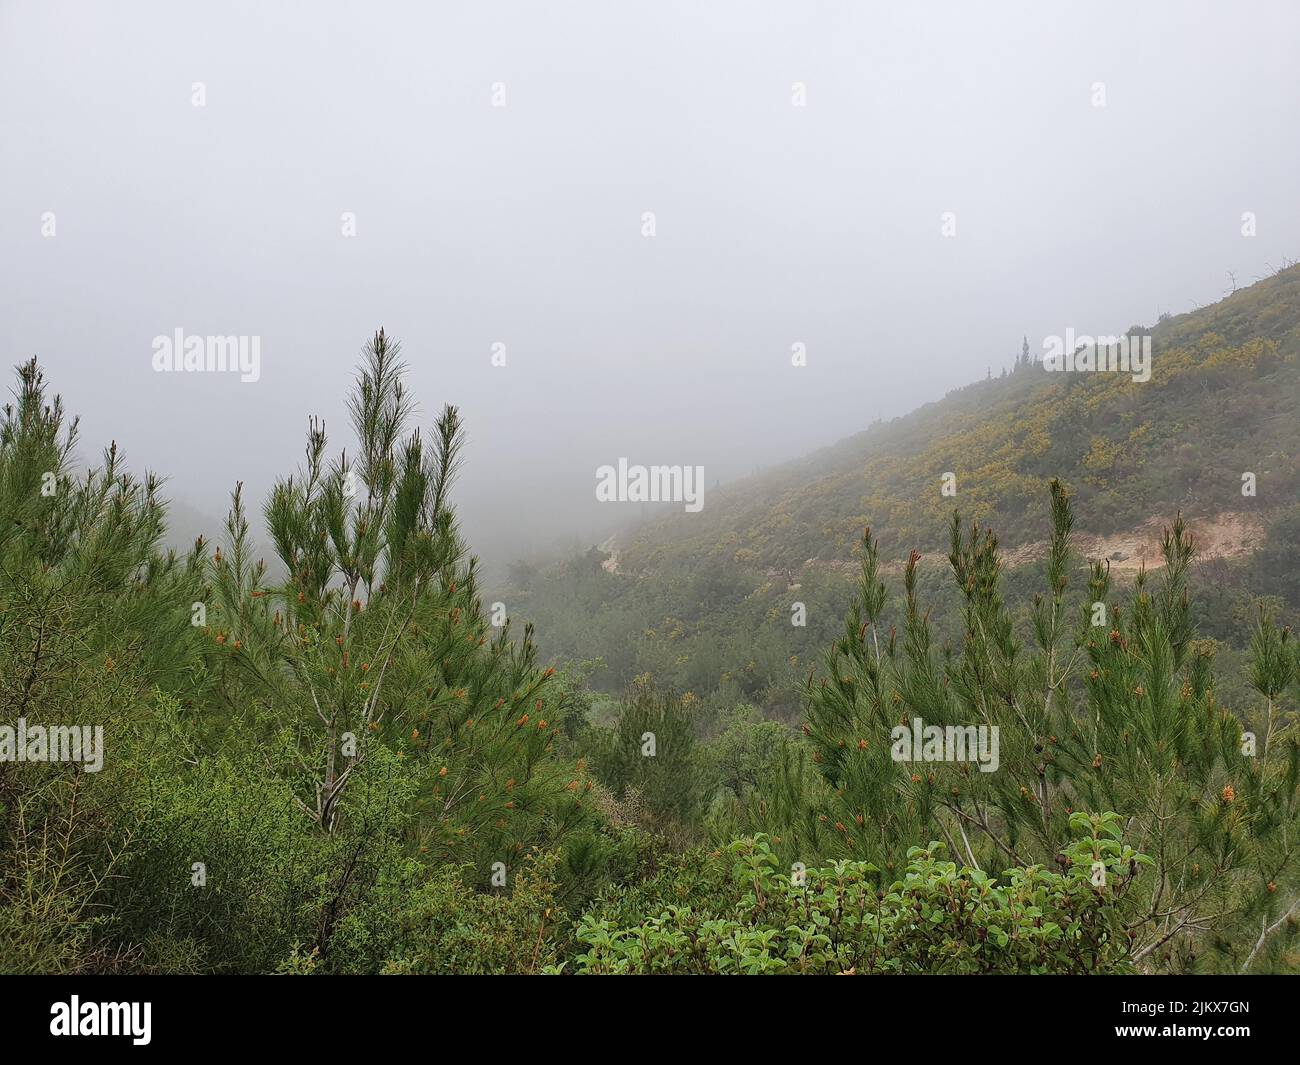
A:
(775, 224)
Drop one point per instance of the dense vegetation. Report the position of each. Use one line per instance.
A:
(349, 769)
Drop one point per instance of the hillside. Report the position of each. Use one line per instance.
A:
(1223, 399)
(703, 601)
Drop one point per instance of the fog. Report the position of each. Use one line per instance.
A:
(127, 212)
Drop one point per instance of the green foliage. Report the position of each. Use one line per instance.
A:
(747, 753)
(338, 767)
(842, 918)
(268, 775)
(651, 749)
(437, 924)
(81, 584)
(1111, 706)
(266, 878)
(1276, 572)
(376, 640)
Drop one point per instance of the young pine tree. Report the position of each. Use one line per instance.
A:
(375, 638)
(1107, 707)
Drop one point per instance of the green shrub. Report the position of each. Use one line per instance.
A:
(439, 923)
(938, 918)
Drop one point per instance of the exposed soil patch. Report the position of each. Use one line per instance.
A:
(1229, 535)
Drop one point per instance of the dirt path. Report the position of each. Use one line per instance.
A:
(610, 565)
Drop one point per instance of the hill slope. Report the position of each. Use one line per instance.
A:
(704, 602)
(1223, 399)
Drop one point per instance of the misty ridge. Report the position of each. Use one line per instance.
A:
(731, 490)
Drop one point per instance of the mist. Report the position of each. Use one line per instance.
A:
(904, 190)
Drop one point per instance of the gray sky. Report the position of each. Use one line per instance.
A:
(522, 224)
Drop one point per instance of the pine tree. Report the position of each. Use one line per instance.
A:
(651, 750)
(94, 618)
(375, 641)
(1111, 708)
